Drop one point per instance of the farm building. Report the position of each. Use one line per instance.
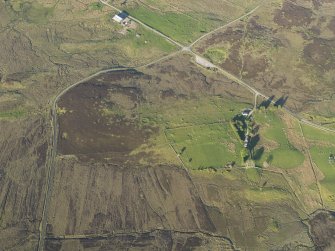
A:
(121, 18)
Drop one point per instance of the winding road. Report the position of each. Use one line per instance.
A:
(52, 152)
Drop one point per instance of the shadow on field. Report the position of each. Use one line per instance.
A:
(266, 103)
(281, 101)
(258, 153)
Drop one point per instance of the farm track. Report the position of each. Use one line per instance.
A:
(52, 151)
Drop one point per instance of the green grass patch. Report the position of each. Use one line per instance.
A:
(287, 158)
(253, 175)
(320, 155)
(13, 114)
(147, 40)
(96, 6)
(274, 126)
(217, 55)
(266, 195)
(205, 146)
(188, 112)
(198, 129)
(285, 155)
(315, 134)
(181, 27)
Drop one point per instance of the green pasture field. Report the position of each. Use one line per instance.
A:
(285, 155)
(203, 146)
(178, 26)
(318, 135)
(198, 129)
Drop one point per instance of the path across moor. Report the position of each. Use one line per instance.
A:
(52, 152)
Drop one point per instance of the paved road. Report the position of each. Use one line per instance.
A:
(53, 149)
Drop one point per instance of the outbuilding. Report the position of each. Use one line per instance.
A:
(122, 16)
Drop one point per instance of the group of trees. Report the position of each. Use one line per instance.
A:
(247, 131)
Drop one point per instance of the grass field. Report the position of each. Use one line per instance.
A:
(322, 144)
(320, 156)
(317, 135)
(200, 132)
(186, 20)
(198, 129)
(176, 25)
(203, 146)
(266, 195)
(136, 45)
(189, 112)
(284, 155)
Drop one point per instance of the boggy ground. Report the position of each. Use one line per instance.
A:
(110, 182)
(87, 128)
(323, 229)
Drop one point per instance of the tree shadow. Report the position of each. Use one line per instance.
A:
(266, 103)
(253, 142)
(258, 153)
(281, 101)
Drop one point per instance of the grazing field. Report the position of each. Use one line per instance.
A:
(204, 146)
(318, 136)
(178, 26)
(282, 154)
(185, 21)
